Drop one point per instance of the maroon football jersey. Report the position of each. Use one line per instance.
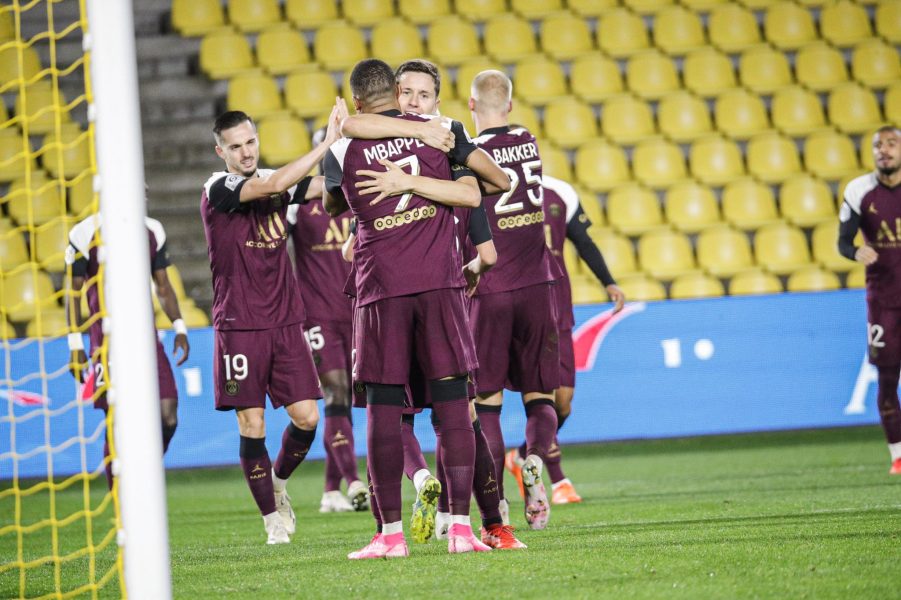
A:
(81, 254)
(879, 208)
(254, 286)
(556, 218)
(321, 270)
(517, 216)
(405, 244)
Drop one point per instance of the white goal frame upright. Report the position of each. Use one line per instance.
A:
(129, 323)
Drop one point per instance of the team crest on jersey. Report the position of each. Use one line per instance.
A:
(232, 181)
(232, 387)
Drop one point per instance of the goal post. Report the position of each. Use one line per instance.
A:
(133, 391)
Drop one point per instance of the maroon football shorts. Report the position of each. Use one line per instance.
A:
(883, 335)
(164, 377)
(516, 340)
(248, 365)
(330, 343)
(567, 359)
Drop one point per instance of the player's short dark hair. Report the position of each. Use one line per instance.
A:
(889, 128)
(229, 119)
(419, 65)
(372, 79)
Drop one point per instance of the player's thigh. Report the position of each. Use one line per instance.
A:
(383, 341)
(241, 364)
(335, 387)
(535, 349)
(293, 375)
(491, 318)
(329, 343)
(883, 335)
(444, 342)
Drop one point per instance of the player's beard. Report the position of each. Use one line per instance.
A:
(888, 171)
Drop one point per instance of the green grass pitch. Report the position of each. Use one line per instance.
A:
(811, 514)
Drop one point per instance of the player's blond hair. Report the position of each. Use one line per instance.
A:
(492, 90)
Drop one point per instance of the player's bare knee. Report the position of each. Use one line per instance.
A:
(304, 414)
(251, 423)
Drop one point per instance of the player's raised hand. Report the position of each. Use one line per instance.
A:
(78, 362)
(437, 134)
(333, 130)
(181, 343)
(392, 182)
(866, 255)
(617, 296)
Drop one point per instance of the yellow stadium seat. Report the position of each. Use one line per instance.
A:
(7, 26)
(633, 209)
(23, 291)
(52, 323)
(569, 122)
(651, 75)
(797, 111)
(621, 33)
(196, 17)
(866, 151)
(10, 75)
(310, 93)
(658, 163)
(626, 119)
(813, 279)
(224, 53)
(457, 110)
(830, 155)
(536, 9)
(51, 241)
(707, 72)
(642, 288)
(524, 115)
(715, 160)
(683, 117)
(665, 254)
(81, 196)
(647, 7)
(740, 114)
(876, 64)
(452, 40)
(66, 153)
(825, 248)
(339, 46)
(4, 114)
(788, 26)
(39, 105)
(193, 316)
(283, 49)
(564, 36)
(691, 207)
(366, 13)
(601, 166)
(7, 331)
(35, 202)
(781, 248)
(586, 291)
(748, 204)
(555, 163)
(723, 251)
(589, 8)
(617, 250)
(538, 80)
(424, 11)
(678, 30)
(282, 139)
(595, 77)
(764, 70)
(845, 23)
(857, 278)
(820, 67)
(696, 285)
(468, 71)
(772, 157)
(13, 250)
(853, 109)
(703, 6)
(310, 14)
(6, 225)
(893, 103)
(754, 282)
(888, 21)
(592, 207)
(509, 38)
(13, 148)
(480, 10)
(733, 28)
(254, 93)
(253, 15)
(806, 201)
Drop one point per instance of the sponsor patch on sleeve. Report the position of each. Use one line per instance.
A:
(232, 181)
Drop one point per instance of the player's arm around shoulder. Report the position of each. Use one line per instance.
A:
(433, 132)
(394, 181)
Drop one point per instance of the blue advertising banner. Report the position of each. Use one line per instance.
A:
(663, 369)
